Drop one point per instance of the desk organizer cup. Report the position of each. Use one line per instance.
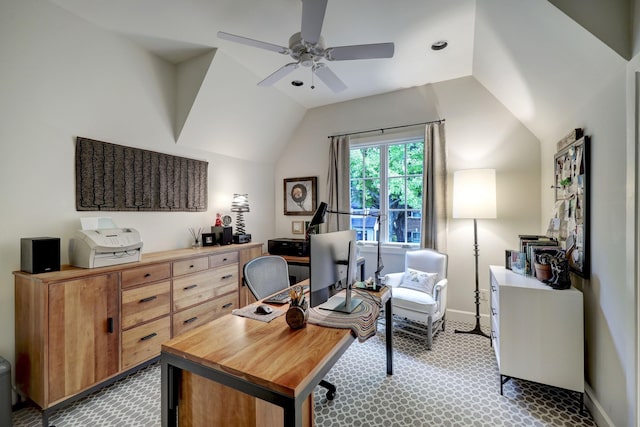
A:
(298, 312)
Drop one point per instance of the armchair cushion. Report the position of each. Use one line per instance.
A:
(419, 280)
(414, 301)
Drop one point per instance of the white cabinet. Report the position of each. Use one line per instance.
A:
(536, 331)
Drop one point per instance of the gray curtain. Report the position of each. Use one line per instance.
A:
(434, 209)
(338, 196)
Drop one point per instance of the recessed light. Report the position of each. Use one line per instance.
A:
(439, 45)
(297, 83)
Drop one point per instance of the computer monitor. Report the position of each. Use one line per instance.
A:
(332, 265)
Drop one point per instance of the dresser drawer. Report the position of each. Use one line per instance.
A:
(143, 342)
(144, 303)
(188, 266)
(200, 287)
(219, 260)
(203, 313)
(146, 274)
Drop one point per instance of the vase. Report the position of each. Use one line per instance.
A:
(297, 317)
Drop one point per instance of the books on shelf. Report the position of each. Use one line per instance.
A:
(522, 261)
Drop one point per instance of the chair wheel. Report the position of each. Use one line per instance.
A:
(330, 395)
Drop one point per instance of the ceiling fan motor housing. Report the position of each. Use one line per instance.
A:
(305, 52)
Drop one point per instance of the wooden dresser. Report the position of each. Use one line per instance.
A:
(79, 329)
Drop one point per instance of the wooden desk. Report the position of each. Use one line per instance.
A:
(304, 262)
(259, 371)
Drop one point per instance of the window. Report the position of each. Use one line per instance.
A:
(386, 178)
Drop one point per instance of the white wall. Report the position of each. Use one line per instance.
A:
(480, 133)
(609, 296)
(63, 78)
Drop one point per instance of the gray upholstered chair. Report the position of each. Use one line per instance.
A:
(419, 294)
(268, 275)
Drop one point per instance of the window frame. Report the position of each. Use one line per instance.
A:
(383, 142)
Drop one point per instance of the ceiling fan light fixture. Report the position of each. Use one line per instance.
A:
(439, 45)
(297, 83)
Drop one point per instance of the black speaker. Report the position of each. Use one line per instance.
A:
(39, 254)
(222, 235)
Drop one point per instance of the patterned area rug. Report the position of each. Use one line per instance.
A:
(454, 384)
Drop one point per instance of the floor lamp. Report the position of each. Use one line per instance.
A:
(474, 196)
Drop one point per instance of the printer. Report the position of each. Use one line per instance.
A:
(101, 247)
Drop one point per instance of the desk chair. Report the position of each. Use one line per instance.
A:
(268, 275)
(421, 297)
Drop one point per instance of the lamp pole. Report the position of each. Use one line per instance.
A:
(477, 330)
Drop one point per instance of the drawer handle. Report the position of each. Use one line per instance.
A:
(110, 325)
(193, 319)
(148, 337)
(227, 305)
(191, 266)
(186, 288)
(224, 259)
(147, 275)
(228, 276)
(147, 299)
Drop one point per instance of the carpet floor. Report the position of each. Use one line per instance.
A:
(455, 384)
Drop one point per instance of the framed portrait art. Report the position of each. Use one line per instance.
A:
(300, 195)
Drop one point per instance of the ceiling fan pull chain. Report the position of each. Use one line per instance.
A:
(313, 85)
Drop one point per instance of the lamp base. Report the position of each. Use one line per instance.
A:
(241, 238)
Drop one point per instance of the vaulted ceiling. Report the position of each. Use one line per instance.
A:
(530, 55)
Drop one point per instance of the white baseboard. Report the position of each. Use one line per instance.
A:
(467, 317)
(591, 403)
(597, 411)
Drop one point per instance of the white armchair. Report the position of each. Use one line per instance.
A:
(419, 294)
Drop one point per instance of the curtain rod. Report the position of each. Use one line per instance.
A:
(383, 129)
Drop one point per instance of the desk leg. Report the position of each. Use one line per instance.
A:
(170, 379)
(389, 333)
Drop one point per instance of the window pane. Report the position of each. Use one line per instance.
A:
(413, 226)
(357, 193)
(396, 160)
(397, 198)
(356, 164)
(372, 162)
(415, 156)
(372, 195)
(414, 192)
(397, 226)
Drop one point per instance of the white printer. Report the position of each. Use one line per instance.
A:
(97, 246)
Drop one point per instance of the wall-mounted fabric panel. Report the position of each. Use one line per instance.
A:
(112, 177)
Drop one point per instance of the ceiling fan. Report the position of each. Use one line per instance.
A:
(307, 48)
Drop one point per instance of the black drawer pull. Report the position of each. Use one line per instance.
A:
(193, 319)
(224, 259)
(228, 276)
(147, 299)
(191, 266)
(186, 288)
(147, 275)
(227, 305)
(148, 337)
(110, 325)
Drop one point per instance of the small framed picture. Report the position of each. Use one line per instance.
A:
(300, 195)
(297, 227)
(208, 239)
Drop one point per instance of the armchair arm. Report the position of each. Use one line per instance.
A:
(393, 280)
(440, 294)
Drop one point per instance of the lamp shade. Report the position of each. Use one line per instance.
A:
(240, 203)
(474, 193)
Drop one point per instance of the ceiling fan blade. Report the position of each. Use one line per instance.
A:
(361, 51)
(312, 18)
(279, 74)
(329, 78)
(251, 42)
